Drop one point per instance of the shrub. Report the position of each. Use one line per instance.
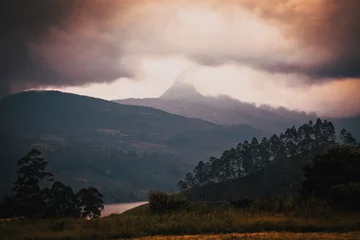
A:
(264, 204)
(346, 196)
(274, 204)
(158, 200)
(242, 203)
(162, 202)
(315, 207)
(175, 203)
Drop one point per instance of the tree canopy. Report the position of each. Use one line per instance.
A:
(32, 198)
(337, 167)
(29, 184)
(90, 202)
(273, 164)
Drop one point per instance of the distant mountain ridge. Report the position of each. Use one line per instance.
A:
(183, 99)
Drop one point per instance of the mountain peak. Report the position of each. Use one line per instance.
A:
(181, 90)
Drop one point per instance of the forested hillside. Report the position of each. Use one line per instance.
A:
(268, 167)
(122, 150)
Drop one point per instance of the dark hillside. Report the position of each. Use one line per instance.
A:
(122, 148)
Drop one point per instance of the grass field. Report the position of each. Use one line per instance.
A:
(200, 219)
(263, 236)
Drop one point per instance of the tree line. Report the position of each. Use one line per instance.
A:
(35, 197)
(277, 158)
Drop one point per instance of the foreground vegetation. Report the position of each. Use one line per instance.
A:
(268, 167)
(196, 218)
(327, 201)
(33, 199)
(264, 236)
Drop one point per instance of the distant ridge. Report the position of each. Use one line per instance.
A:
(183, 99)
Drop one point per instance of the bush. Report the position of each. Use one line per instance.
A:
(158, 200)
(346, 196)
(162, 202)
(7, 207)
(264, 204)
(175, 203)
(275, 204)
(242, 203)
(315, 207)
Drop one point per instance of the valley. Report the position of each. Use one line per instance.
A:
(123, 150)
(132, 146)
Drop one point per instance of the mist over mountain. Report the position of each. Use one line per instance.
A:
(183, 99)
(182, 91)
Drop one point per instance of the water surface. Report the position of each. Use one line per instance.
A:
(118, 208)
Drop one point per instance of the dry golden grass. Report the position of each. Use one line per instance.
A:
(224, 222)
(263, 236)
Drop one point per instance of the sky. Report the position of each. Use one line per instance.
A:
(300, 54)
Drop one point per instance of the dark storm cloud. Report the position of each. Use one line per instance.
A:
(340, 34)
(324, 35)
(43, 44)
(23, 22)
(55, 43)
(329, 26)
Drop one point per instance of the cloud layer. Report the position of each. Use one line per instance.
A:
(55, 43)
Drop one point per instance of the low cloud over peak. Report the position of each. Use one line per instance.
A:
(55, 43)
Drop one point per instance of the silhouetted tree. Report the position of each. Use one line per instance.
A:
(265, 152)
(90, 202)
(329, 132)
(31, 198)
(255, 153)
(337, 166)
(274, 164)
(182, 185)
(200, 173)
(60, 201)
(275, 145)
(347, 138)
(248, 163)
(27, 189)
(228, 165)
(213, 169)
(7, 207)
(189, 180)
(291, 141)
(346, 196)
(307, 135)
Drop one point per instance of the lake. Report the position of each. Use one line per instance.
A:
(119, 208)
